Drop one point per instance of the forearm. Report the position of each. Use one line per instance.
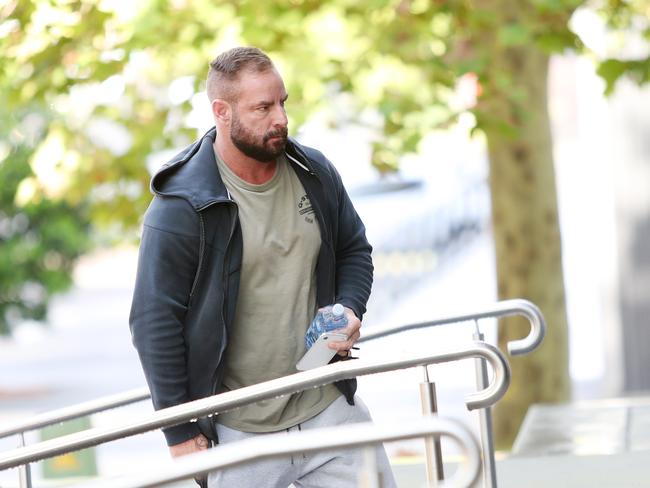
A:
(354, 268)
(160, 303)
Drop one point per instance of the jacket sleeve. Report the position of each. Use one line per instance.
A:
(167, 264)
(354, 268)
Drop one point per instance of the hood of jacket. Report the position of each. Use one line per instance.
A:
(192, 174)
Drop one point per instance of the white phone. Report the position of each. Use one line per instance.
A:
(319, 354)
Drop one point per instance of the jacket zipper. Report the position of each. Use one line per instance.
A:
(225, 271)
(201, 251)
(202, 242)
(198, 269)
(225, 280)
(309, 171)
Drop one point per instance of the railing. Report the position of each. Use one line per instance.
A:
(274, 445)
(75, 411)
(500, 309)
(270, 389)
(428, 390)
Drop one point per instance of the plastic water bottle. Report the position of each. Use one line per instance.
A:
(328, 319)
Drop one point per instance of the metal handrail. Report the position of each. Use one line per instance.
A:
(500, 309)
(517, 347)
(75, 411)
(270, 389)
(504, 308)
(273, 445)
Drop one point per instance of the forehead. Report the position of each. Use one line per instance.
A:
(265, 85)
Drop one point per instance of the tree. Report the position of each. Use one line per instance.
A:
(57, 174)
(40, 237)
(513, 113)
(400, 59)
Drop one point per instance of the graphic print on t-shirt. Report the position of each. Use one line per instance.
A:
(305, 209)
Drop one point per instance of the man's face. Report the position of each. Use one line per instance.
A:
(258, 125)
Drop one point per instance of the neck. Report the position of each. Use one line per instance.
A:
(248, 169)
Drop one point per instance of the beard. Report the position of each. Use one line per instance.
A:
(264, 149)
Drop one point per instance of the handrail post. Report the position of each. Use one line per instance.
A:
(485, 419)
(24, 470)
(432, 446)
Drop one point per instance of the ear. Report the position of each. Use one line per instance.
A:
(221, 110)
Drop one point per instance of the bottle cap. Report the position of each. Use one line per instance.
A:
(338, 310)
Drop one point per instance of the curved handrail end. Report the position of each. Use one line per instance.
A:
(500, 379)
(537, 326)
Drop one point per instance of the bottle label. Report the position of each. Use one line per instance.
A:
(324, 321)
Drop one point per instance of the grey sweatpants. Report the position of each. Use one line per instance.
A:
(325, 469)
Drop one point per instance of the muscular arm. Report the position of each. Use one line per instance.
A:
(354, 268)
(166, 268)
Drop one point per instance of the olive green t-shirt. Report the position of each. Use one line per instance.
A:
(276, 300)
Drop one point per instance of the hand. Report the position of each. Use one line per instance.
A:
(198, 443)
(352, 330)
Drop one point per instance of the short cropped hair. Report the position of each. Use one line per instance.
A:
(226, 68)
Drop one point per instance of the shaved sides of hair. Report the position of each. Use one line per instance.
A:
(226, 68)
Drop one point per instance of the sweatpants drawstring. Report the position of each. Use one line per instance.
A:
(304, 456)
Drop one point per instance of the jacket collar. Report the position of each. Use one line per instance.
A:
(193, 175)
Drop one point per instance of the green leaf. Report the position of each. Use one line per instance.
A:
(514, 35)
(556, 6)
(610, 71)
(558, 41)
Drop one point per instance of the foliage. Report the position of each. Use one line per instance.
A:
(40, 238)
(108, 87)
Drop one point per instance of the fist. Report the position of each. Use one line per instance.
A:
(198, 443)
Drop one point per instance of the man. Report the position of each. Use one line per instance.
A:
(248, 234)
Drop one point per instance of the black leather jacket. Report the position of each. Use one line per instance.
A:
(189, 268)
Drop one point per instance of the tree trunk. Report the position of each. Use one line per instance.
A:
(526, 228)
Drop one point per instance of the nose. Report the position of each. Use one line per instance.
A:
(280, 117)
